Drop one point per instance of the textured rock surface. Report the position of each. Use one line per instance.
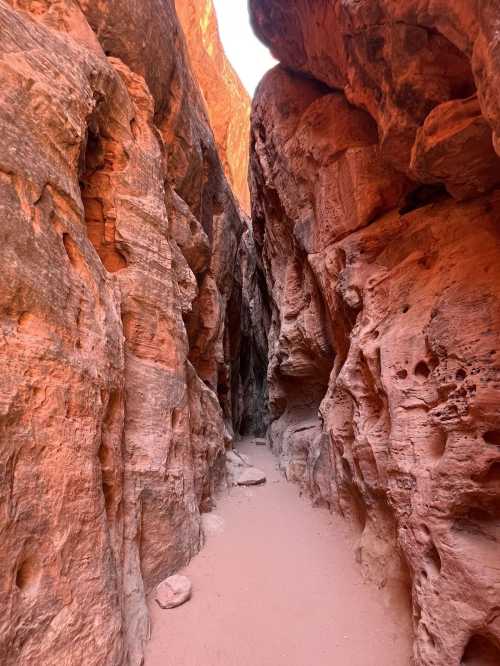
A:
(120, 308)
(376, 217)
(173, 592)
(228, 103)
(251, 476)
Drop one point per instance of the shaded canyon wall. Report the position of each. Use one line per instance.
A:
(228, 103)
(376, 209)
(228, 107)
(127, 269)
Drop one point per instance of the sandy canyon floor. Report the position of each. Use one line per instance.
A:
(277, 585)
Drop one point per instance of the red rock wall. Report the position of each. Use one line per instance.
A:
(123, 283)
(376, 212)
(228, 103)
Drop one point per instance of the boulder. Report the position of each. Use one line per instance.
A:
(251, 476)
(173, 592)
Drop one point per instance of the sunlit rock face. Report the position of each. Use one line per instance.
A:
(375, 209)
(228, 103)
(126, 271)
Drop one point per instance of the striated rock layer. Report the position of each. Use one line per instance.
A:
(375, 211)
(126, 270)
(228, 103)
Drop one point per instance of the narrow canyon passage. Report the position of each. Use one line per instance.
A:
(277, 585)
(189, 259)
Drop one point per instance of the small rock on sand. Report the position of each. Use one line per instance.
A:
(173, 592)
(251, 476)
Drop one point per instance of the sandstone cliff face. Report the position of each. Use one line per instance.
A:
(124, 257)
(228, 103)
(376, 215)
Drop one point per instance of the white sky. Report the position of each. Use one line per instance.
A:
(249, 57)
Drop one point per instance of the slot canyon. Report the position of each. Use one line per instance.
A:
(304, 285)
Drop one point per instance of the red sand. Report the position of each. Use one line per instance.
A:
(278, 586)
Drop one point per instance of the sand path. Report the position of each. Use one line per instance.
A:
(277, 585)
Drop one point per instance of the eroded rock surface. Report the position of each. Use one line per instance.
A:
(228, 103)
(173, 592)
(376, 216)
(251, 476)
(125, 277)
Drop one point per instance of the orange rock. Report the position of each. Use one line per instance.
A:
(227, 101)
(397, 60)
(173, 592)
(454, 147)
(115, 208)
(383, 369)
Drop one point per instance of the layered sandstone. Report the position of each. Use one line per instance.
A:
(228, 103)
(126, 272)
(375, 210)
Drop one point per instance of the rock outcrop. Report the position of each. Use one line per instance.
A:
(126, 271)
(374, 172)
(228, 103)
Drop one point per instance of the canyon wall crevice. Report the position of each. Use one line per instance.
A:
(374, 176)
(129, 287)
